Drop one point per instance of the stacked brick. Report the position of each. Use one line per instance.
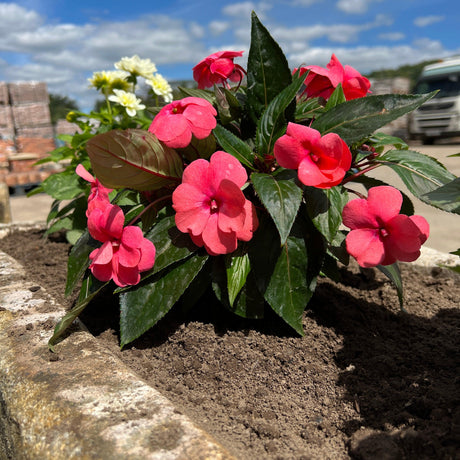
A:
(26, 132)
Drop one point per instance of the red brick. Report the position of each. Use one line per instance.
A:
(39, 146)
(31, 115)
(27, 92)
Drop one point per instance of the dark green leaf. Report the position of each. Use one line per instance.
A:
(264, 251)
(288, 292)
(89, 289)
(250, 303)
(194, 92)
(78, 260)
(145, 304)
(268, 71)
(238, 268)
(171, 245)
(272, 123)
(394, 275)
(380, 140)
(446, 197)
(63, 186)
(234, 145)
(420, 173)
(356, 119)
(281, 196)
(325, 209)
(308, 109)
(336, 98)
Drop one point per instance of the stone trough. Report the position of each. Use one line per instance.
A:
(83, 402)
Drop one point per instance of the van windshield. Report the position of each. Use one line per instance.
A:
(449, 85)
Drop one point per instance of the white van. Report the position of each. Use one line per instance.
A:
(440, 116)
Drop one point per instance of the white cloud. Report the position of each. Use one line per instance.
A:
(423, 21)
(339, 33)
(354, 6)
(218, 27)
(392, 36)
(367, 58)
(15, 18)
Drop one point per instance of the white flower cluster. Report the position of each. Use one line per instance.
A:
(119, 85)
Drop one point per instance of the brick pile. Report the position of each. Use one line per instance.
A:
(26, 132)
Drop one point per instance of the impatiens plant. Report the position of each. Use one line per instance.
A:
(242, 189)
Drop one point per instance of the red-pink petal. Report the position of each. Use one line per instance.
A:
(192, 208)
(288, 152)
(423, 226)
(216, 240)
(132, 237)
(384, 202)
(226, 166)
(147, 255)
(231, 203)
(404, 233)
(356, 214)
(366, 247)
(251, 222)
(84, 174)
(102, 272)
(128, 257)
(310, 174)
(197, 174)
(173, 130)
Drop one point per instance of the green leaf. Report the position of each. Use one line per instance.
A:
(171, 245)
(420, 173)
(234, 145)
(133, 158)
(268, 71)
(238, 268)
(272, 123)
(281, 196)
(288, 292)
(78, 260)
(393, 273)
(89, 289)
(356, 119)
(380, 140)
(308, 109)
(202, 93)
(145, 304)
(446, 197)
(325, 209)
(250, 303)
(63, 186)
(336, 98)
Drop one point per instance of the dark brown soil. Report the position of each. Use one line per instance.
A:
(367, 381)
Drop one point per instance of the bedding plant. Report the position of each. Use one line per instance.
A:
(243, 187)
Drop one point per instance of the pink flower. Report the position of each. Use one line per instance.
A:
(178, 121)
(379, 234)
(321, 161)
(210, 205)
(99, 195)
(124, 254)
(321, 82)
(217, 68)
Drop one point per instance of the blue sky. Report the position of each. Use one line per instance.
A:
(64, 42)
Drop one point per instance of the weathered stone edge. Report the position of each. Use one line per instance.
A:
(82, 402)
